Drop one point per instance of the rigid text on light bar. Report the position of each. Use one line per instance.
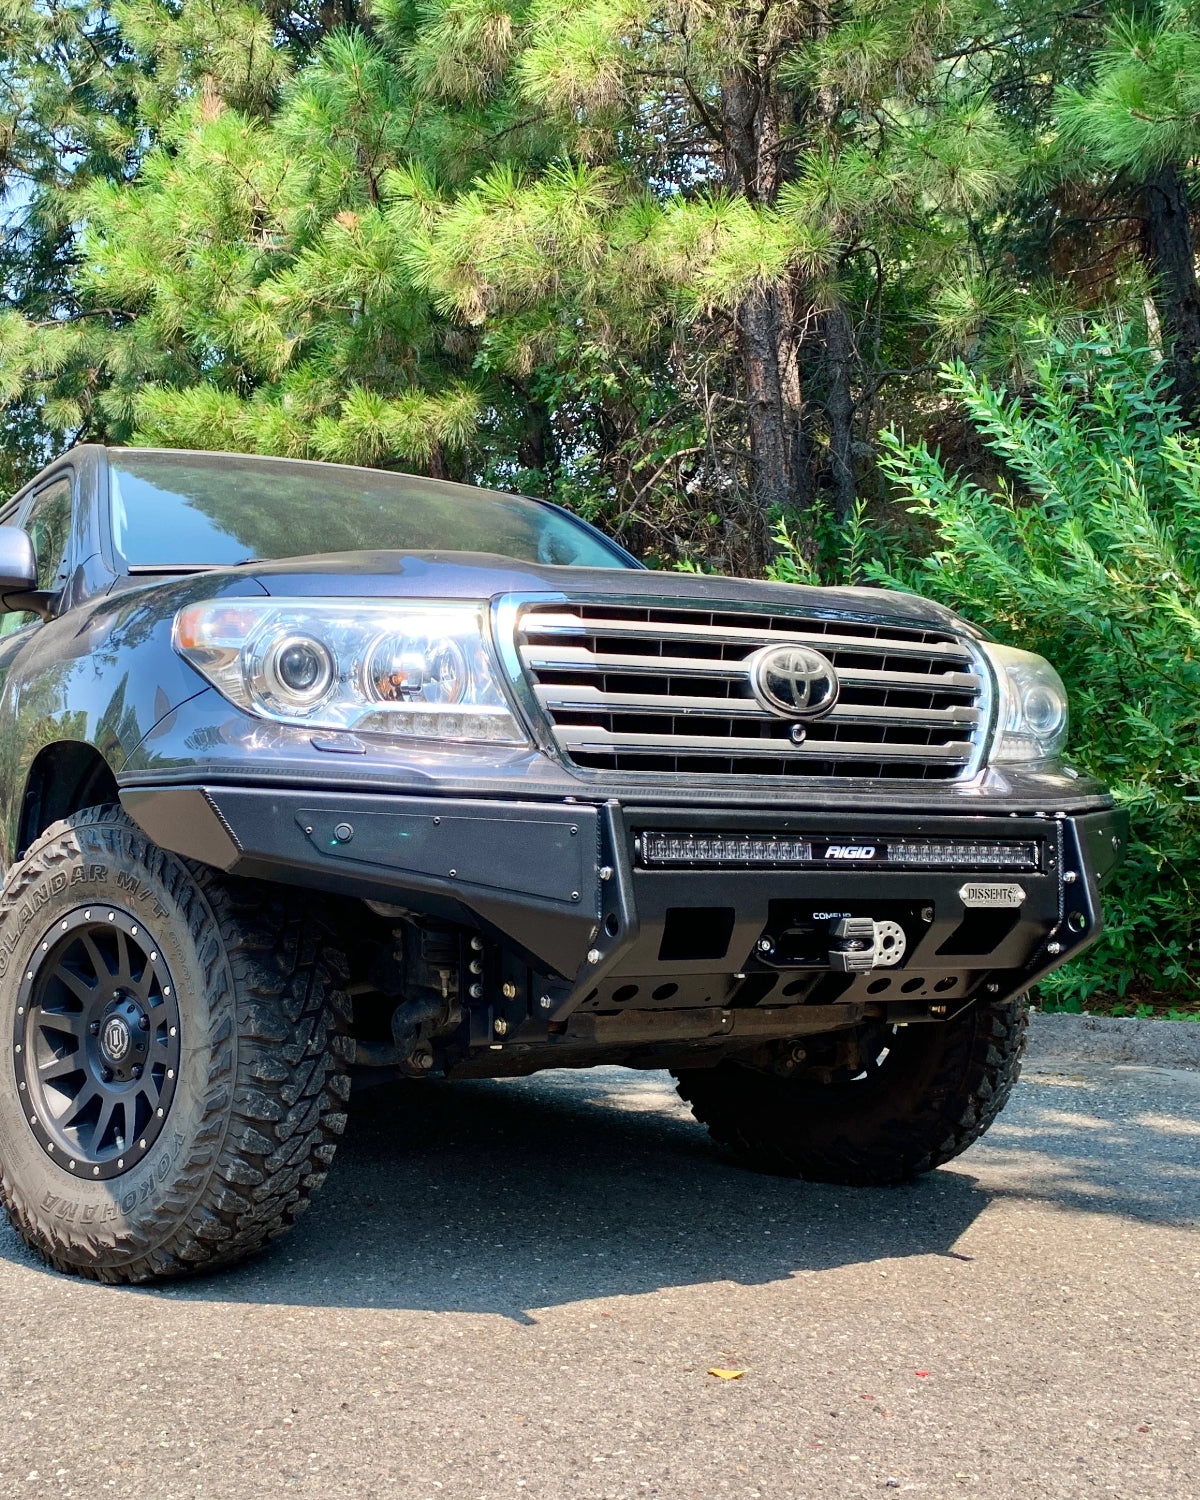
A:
(773, 851)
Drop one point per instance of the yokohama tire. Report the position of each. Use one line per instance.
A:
(937, 1090)
(259, 1101)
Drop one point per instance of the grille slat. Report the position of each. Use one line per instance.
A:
(668, 630)
(655, 691)
(582, 699)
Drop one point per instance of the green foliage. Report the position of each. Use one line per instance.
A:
(1087, 549)
(1143, 108)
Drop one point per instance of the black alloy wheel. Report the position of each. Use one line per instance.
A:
(176, 1074)
(97, 1041)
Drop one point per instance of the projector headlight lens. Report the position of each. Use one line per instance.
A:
(1032, 720)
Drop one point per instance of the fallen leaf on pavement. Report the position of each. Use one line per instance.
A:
(727, 1374)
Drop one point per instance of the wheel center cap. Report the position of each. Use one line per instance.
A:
(116, 1039)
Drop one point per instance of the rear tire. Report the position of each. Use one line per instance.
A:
(177, 1073)
(937, 1090)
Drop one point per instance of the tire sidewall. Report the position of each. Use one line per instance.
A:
(103, 862)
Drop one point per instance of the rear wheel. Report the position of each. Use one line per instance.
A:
(883, 1105)
(176, 1069)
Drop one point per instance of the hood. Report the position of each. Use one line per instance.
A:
(476, 575)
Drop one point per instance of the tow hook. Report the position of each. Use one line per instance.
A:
(853, 948)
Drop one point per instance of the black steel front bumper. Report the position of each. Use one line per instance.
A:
(583, 925)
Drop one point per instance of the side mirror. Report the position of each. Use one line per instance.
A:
(18, 566)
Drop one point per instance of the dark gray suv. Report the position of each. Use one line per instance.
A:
(310, 769)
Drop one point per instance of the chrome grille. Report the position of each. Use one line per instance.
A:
(656, 690)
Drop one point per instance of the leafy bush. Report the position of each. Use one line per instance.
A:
(1088, 550)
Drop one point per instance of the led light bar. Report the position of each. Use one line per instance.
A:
(660, 850)
(960, 853)
(723, 849)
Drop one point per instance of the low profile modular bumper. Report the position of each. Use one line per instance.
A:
(603, 912)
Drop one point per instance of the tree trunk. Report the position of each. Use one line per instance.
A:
(750, 117)
(758, 345)
(1173, 251)
(839, 405)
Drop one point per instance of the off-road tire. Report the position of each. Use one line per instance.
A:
(263, 1068)
(937, 1090)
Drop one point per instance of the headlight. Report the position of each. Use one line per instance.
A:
(1031, 719)
(410, 669)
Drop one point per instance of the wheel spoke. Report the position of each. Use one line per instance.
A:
(107, 1110)
(101, 970)
(76, 983)
(60, 1067)
(77, 1106)
(66, 1022)
(123, 971)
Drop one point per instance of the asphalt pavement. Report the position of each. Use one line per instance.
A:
(518, 1289)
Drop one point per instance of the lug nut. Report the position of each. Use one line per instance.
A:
(94, 1028)
(106, 1074)
(137, 1070)
(143, 1023)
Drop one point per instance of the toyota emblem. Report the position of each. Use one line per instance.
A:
(794, 681)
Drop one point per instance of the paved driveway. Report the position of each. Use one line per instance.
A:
(517, 1290)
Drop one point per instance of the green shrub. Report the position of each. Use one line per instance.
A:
(1088, 550)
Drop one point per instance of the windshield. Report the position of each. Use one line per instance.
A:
(208, 510)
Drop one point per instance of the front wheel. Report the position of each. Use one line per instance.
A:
(175, 1074)
(886, 1104)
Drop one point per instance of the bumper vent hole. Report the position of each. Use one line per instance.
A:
(696, 932)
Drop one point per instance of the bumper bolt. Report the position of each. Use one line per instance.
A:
(593, 955)
(927, 914)
(1053, 947)
(546, 1003)
(798, 1054)
(476, 992)
(765, 945)
(500, 1026)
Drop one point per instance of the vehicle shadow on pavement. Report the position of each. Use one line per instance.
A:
(505, 1197)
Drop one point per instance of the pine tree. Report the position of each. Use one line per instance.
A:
(1140, 119)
